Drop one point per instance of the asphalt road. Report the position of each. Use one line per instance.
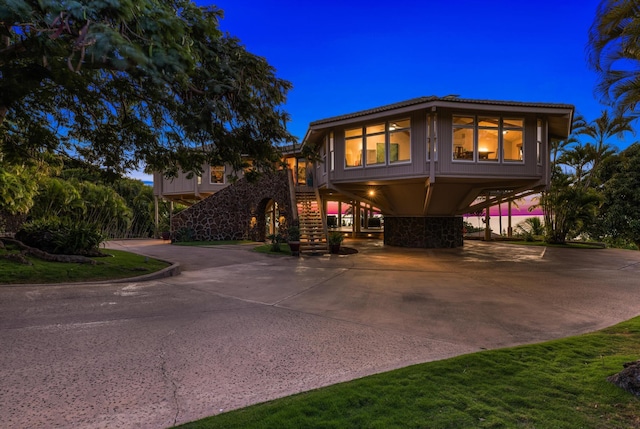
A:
(237, 328)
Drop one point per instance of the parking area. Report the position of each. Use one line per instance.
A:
(237, 327)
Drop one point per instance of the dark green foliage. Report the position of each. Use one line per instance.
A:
(530, 229)
(613, 53)
(619, 216)
(335, 237)
(120, 84)
(66, 237)
(469, 227)
(115, 265)
(572, 204)
(184, 235)
(276, 241)
(293, 233)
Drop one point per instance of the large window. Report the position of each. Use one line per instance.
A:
(216, 174)
(400, 141)
(378, 144)
(353, 147)
(512, 139)
(463, 137)
(488, 139)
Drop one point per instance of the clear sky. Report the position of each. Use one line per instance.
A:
(345, 56)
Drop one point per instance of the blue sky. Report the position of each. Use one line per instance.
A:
(345, 56)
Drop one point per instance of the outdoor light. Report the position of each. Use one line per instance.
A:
(372, 192)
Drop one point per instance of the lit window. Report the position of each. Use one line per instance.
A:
(353, 148)
(400, 141)
(488, 139)
(379, 142)
(463, 137)
(216, 174)
(376, 144)
(302, 171)
(512, 137)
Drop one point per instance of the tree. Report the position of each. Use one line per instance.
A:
(130, 82)
(600, 131)
(567, 206)
(620, 211)
(531, 226)
(614, 52)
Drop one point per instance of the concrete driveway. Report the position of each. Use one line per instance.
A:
(236, 327)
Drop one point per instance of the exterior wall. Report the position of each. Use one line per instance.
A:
(444, 165)
(176, 185)
(428, 232)
(181, 184)
(415, 168)
(238, 211)
(449, 167)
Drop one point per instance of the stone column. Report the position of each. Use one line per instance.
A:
(426, 232)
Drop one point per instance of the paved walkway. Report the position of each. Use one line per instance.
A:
(236, 327)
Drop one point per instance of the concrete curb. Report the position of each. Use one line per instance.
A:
(170, 271)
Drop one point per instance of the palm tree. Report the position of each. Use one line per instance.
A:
(531, 226)
(614, 52)
(600, 131)
(578, 159)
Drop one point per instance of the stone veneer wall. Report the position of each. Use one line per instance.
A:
(228, 214)
(428, 232)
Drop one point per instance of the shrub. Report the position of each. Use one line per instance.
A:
(276, 240)
(293, 233)
(60, 236)
(184, 235)
(335, 238)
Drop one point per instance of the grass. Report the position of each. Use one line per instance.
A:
(568, 245)
(116, 266)
(558, 384)
(211, 243)
(266, 248)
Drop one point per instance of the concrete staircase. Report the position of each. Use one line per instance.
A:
(313, 238)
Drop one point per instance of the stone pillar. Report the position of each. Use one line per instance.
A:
(427, 232)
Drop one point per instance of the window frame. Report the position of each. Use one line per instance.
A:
(388, 138)
(224, 176)
(366, 137)
(475, 127)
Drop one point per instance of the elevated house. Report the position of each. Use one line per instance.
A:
(407, 171)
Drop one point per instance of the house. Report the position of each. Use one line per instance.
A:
(410, 170)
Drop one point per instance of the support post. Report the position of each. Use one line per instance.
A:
(487, 223)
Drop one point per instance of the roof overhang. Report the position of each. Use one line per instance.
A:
(560, 116)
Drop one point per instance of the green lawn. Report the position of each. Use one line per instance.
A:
(558, 384)
(116, 266)
(266, 248)
(263, 248)
(569, 245)
(211, 243)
